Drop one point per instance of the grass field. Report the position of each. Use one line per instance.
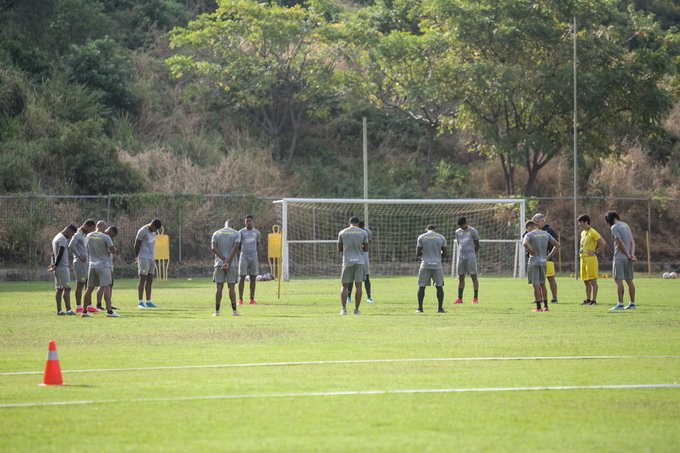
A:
(292, 375)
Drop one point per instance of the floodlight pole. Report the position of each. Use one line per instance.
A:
(365, 134)
(576, 232)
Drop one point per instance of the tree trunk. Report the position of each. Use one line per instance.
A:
(508, 174)
(427, 170)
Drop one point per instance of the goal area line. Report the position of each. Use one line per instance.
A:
(346, 393)
(358, 361)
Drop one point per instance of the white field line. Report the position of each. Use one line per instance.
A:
(341, 362)
(345, 393)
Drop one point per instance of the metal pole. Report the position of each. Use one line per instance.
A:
(576, 235)
(108, 209)
(365, 130)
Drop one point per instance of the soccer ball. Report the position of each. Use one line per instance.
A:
(666, 275)
(674, 275)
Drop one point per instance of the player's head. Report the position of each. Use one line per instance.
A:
(354, 220)
(462, 222)
(361, 224)
(155, 225)
(249, 221)
(530, 225)
(69, 231)
(227, 223)
(431, 228)
(611, 217)
(584, 221)
(112, 231)
(539, 219)
(88, 226)
(101, 226)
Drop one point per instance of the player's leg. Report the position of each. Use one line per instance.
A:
(232, 298)
(538, 296)
(631, 292)
(475, 287)
(147, 290)
(67, 299)
(253, 282)
(367, 285)
(100, 294)
(350, 288)
(107, 299)
(59, 292)
(421, 297)
(358, 292)
(461, 286)
(544, 297)
(79, 295)
(241, 287)
(87, 301)
(550, 275)
(593, 289)
(343, 298)
(140, 291)
(218, 297)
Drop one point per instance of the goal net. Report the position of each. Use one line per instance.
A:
(310, 226)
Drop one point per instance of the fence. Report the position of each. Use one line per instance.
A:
(29, 222)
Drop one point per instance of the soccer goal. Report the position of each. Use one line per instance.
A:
(310, 226)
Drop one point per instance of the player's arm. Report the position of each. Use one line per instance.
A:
(555, 244)
(138, 245)
(232, 253)
(340, 245)
(72, 249)
(364, 246)
(599, 248)
(528, 247)
(476, 245)
(632, 248)
(216, 251)
(445, 251)
(419, 251)
(624, 250)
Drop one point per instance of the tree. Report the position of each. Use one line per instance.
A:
(274, 63)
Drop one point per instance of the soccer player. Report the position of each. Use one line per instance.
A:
(624, 256)
(468, 241)
(224, 245)
(146, 267)
(112, 231)
(536, 243)
(248, 263)
(430, 247)
(367, 281)
(352, 241)
(59, 265)
(78, 249)
(539, 220)
(99, 247)
(591, 245)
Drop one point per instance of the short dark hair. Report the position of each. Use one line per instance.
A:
(248, 216)
(156, 223)
(610, 216)
(72, 228)
(361, 224)
(584, 218)
(89, 222)
(529, 223)
(462, 221)
(113, 229)
(354, 219)
(431, 227)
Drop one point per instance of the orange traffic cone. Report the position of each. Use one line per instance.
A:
(52, 370)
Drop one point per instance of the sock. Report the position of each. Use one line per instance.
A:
(545, 303)
(141, 301)
(538, 304)
(109, 311)
(233, 306)
(460, 293)
(440, 297)
(367, 284)
(476, 293)
(421, 296)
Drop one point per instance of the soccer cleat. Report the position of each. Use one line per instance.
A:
(240, 302)
(216, 313)
(85, 315)
(61, 313)
(369, 300)
(70, 313)
(537, 310)
(592, 302)
(114, 308)
(91, 309)
(630, 306)
(585, 302)
(458, 301)
(79, 310)
(617, 307)
(546, 309)
(100, 308)
(252, 302)
(235, 313)
(474, 301)
(150, 304)
(112, 315)
(554, 301)
(419, 310)
(356, 311)
(441, 310)
(343, 312)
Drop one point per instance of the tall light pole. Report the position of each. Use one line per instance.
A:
(575, 121)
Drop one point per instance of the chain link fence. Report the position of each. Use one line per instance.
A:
(29, 222)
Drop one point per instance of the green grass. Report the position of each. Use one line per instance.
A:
(158, 409)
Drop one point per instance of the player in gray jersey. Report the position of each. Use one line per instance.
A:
(248, 260)
(59, 265)
(352, 242)
(468, 246)
(536, 243)
(224, 245)
(367, 280)
(112, 231)
(539, 220)
(624, 257)
(145, 242)
(99, 248)
(78, 249)
(430, 247)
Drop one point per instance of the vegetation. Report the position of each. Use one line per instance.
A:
(99, 97)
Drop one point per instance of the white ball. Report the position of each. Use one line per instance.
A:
(666, 275)
(674, 275)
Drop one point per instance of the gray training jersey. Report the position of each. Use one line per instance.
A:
(621, 230)
(352, 239)
(369, 233)
(58, 242)
(224, 240)
(77, 246)
(148, 242)
(466, 241)
(432, 244)
(249, 241)
(98, 247)
(539, 240)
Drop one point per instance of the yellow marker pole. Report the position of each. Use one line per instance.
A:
(274, 252)
(649, 257)
(161, 254)
(559, 254)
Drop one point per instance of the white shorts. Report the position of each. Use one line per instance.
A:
(146, 267)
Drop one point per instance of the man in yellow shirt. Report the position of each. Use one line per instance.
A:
(591, 245)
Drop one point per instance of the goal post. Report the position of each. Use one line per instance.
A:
(309, 229)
